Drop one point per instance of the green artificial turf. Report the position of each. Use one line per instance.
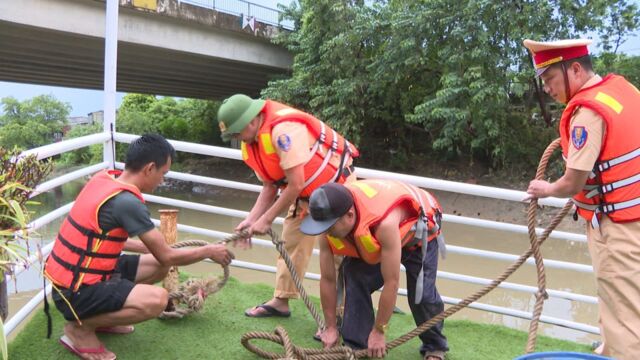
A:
(215, 334)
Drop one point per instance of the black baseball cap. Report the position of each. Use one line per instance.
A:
(327, 204)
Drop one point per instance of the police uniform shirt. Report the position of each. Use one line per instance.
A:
(582, 155)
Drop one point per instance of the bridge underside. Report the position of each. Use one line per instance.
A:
(41, 56)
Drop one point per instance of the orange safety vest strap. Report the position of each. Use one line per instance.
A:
(77, 268)
(88, 232)
(421, 233)
(344, 158)
(605, 165)
(605, 188)
(84, 253)
(81, 251)
(605, 208)
(74, 268)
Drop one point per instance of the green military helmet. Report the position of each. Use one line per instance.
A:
(236, 113)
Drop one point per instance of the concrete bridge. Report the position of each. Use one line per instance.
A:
(165, 47)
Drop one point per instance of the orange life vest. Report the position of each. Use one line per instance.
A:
(373, 201)
(84, 254)
(613, 188)
(261, 155)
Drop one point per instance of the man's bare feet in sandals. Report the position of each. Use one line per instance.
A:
(84, 343)
(274, 307)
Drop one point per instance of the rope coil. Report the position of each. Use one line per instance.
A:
(193, 292)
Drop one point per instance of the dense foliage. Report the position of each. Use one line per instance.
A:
(31, 123)
(438, 79)
(186, 119)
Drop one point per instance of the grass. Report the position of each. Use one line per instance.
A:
(215, 334)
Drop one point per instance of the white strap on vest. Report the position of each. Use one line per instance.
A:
(605, 208)
(325, 162)
(422, 233)
(605, 165)
(603, 189)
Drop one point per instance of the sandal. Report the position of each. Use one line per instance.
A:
(268, 312)
(83, 352)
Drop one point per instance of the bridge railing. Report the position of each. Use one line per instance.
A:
(261, 13)
(470, 189)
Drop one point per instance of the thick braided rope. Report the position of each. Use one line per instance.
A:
(541, 295)
(275, 239)
(280, 336)
(342, 353)
(452, 310)
(193, 292)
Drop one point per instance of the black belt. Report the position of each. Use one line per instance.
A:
(348, 170)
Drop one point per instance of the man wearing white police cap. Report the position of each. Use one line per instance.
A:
(599, 136)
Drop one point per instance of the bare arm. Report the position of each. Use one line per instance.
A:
(568, 185)
(328, 293)
(264, 201)
(136, 246)
(168, 256)
(295, 184)
(388, 234)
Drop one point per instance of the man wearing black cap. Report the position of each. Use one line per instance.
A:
(377, 225)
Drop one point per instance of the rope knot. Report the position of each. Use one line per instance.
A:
(542, 293)
(193, 292)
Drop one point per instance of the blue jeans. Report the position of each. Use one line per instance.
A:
(362, 279)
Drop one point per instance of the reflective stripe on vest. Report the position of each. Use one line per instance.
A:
(373, 200)
(606, 188)
(263, 158)
(618, 164)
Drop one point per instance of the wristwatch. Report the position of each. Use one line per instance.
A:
(382, 328)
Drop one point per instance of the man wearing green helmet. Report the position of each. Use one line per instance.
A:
(293, 152)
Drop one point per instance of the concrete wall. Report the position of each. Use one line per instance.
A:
(172, 49)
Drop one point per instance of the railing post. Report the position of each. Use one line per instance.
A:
(110, 72)
(169, 228)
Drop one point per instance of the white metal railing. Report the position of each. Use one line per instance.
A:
(441, 274)
(50, 150)
(262, 13)
(453, 249)
(427, 183)
(61, 180)
(455, 219)
(443, 185)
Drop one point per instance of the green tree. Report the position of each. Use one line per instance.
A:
(625, 65)
(86, 155)
(189, 120)
(185, 119)
(33, 122)
(434, 79)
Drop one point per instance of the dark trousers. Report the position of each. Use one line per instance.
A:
(362, 279)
